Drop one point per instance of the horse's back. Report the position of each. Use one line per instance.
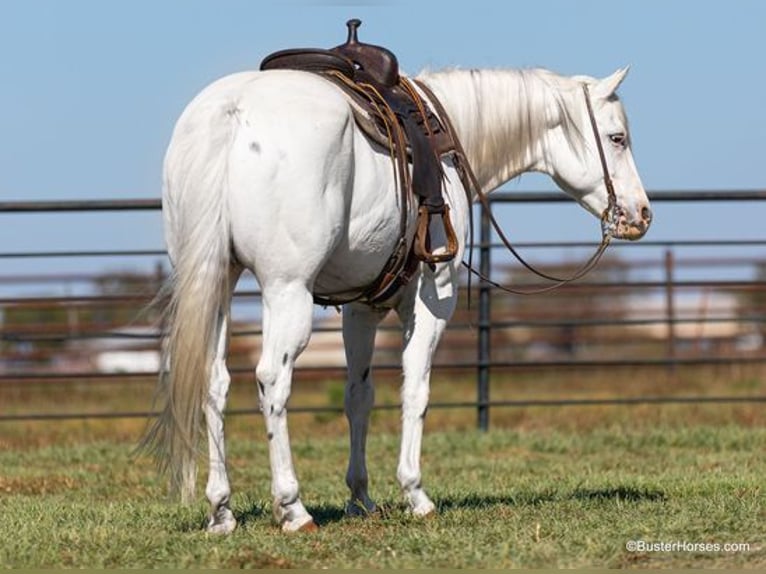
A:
(272, 88)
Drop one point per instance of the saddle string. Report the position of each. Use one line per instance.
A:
(397, 266)
(464, 167)
(384, 111)
(407, 85)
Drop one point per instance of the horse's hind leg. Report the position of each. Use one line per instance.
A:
(359, 325)
(218, 490)
(287, 316)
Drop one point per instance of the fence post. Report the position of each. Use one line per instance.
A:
(670, 313)
(485, 324)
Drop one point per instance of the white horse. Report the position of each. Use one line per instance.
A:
(268, 171)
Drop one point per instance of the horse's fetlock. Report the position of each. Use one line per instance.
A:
(356, 482)
(408, 479)
(218, 496)
(286, 494)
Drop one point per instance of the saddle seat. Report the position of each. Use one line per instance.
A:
(391, 113)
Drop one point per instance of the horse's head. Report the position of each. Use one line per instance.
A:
(589, 152)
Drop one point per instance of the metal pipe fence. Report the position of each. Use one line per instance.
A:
(575, 333)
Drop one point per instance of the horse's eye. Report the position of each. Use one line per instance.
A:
(618, 139)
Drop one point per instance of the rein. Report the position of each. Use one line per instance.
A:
(470, 181)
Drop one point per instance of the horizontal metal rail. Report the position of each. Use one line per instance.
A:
(623, 401)
(149, 204)
(644, 243)
(89, 253)
(142, 280)
(584, 286)
(25, 335)
(45, 376)
(80, 205)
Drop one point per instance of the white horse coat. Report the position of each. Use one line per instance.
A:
(268, 171)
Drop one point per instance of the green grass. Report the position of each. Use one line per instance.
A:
(508, 498)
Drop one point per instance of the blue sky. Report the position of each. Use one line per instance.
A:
(92, 88)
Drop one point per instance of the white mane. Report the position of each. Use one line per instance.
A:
(502, 115)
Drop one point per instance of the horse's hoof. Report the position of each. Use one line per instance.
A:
(310, 526)
(222, 528)
(222, 522)
(305, 524)
(357, 508)
(425, 510)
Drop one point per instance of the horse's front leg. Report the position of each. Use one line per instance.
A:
(360, 323)
(424, 311)
(287, 315)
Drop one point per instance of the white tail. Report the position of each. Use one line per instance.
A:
(198, 237)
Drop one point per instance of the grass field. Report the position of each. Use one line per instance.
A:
(547, 487)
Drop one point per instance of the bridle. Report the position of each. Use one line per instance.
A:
(470, 181)
(611, 195)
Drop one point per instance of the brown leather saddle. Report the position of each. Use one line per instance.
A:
(391, 113)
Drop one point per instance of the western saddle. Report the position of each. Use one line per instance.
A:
(391, 113)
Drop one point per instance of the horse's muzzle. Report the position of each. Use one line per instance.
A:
(621, 225)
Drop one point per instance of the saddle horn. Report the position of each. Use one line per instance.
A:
(353, 26)
(374, 64)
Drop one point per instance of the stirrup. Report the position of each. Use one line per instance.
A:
(422, 245)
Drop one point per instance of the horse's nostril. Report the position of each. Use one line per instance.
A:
(646, 214)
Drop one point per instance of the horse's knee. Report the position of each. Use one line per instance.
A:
(266, 374)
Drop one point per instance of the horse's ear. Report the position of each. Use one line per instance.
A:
(606, 87)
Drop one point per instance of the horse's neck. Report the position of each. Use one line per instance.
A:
(500, 117)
